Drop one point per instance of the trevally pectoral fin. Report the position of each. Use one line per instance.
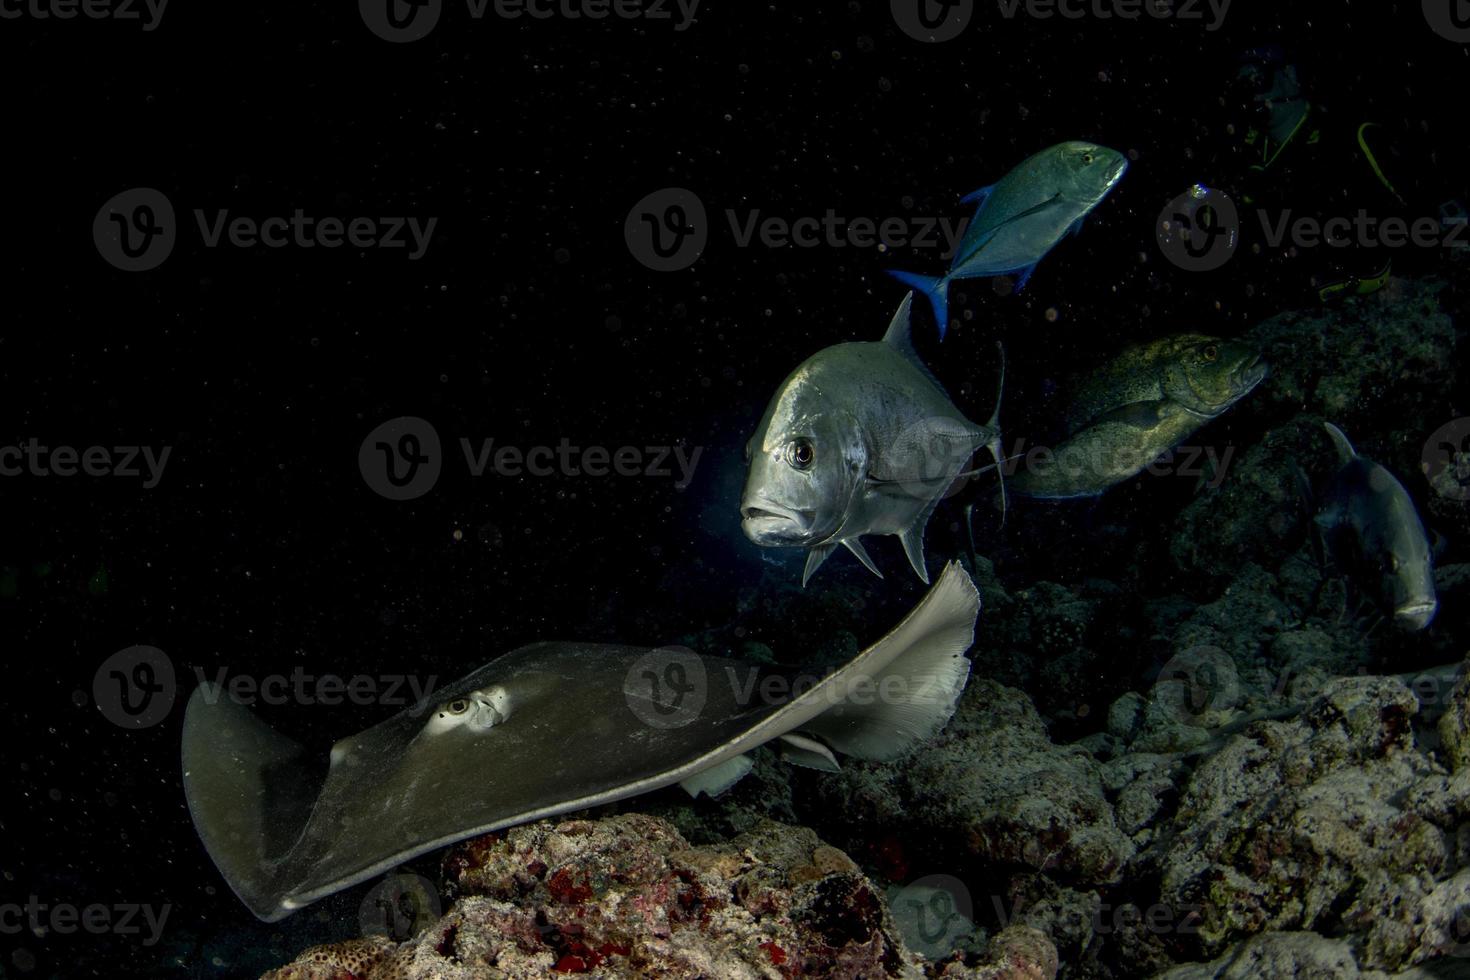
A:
(814, 559)
(855, 546)
(913, 541)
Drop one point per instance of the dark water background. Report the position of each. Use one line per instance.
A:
(528, 321)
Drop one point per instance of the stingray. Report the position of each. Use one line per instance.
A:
(543, 730)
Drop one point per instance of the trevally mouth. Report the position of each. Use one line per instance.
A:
(1415, 616)
(770, 523)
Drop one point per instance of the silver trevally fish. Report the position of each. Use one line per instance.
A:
(859, 439)
(1373, 531)
(1023, 216)
(544, 730)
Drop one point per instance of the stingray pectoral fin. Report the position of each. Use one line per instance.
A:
(802, 750)
(250, 791)
(903, 689)
(717, 778)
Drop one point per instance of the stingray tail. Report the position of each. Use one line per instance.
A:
(244, 786)
(936, 289)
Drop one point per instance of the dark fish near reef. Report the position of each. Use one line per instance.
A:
(859, 439)
(541, 731)
(1023, 216)
(1139, 406)
(1372, 530)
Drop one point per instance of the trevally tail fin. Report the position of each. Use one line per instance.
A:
(937, 289)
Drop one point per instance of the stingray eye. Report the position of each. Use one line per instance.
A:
(458, 706)
(1210, 353)
(802, 454)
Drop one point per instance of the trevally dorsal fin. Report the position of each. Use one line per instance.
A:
(1345, 451)
(901, 338)
(814, 559)
(855, 546)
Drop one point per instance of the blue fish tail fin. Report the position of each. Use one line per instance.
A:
(937, 289)
(1026, 276)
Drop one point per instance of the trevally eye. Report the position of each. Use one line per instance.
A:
(802, 453)
(1087, 159)
(1210, 353)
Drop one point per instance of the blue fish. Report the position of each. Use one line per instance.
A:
(1023, 216)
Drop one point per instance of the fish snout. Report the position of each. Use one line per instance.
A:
(1416, 615)
(767, 523)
